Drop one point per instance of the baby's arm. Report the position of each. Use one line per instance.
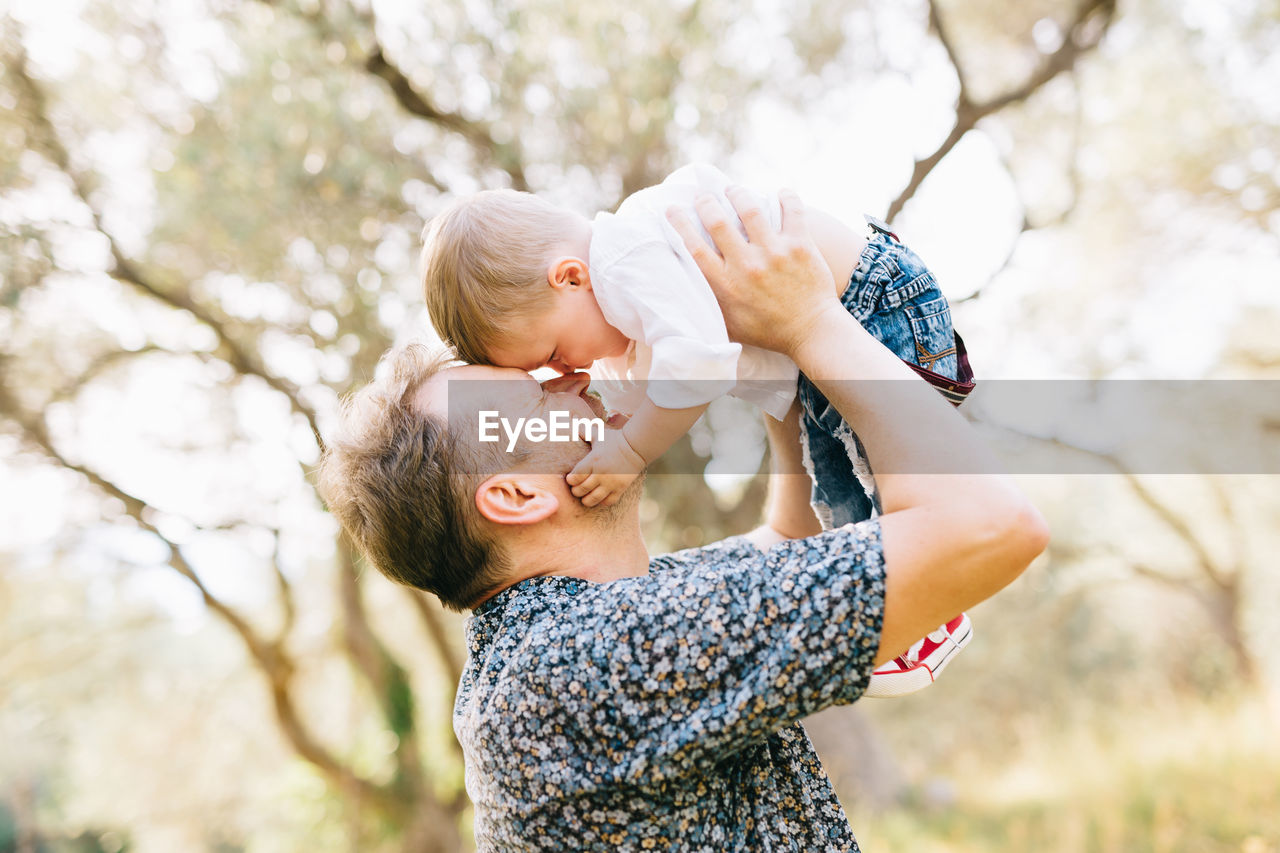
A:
(839, 244)
(615, 462)
(788, 511)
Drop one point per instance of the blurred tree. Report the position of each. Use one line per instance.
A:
(258, 255)
(208, 231)
(1165, 139)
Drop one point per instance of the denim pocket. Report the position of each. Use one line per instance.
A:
(934, 338)
(911, 282)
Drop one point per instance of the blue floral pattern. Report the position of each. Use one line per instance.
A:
(660, 712)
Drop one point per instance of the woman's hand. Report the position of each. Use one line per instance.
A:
(773, 287)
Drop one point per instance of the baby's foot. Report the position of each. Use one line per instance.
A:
(922, 663)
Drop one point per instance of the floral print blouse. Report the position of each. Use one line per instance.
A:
(660, 712)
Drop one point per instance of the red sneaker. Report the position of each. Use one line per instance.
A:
(919, 667)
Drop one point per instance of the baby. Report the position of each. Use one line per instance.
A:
(515, 281)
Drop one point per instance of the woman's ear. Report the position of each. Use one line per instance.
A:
(568, 271)
(515, 499)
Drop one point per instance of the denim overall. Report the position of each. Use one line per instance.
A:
(897, 300)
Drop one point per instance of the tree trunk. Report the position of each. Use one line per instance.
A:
(862, 768)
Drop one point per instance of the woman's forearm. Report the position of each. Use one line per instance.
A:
(910, 432)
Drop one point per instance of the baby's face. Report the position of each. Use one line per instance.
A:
(568, 336)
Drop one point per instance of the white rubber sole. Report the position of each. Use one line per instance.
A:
(884, 685)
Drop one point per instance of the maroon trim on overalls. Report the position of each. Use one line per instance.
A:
(955, 390)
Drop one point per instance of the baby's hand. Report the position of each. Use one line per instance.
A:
(605, 472)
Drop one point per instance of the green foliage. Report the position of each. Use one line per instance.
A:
(209, 222)
(400, 701)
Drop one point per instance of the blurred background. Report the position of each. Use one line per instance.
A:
(209, 220)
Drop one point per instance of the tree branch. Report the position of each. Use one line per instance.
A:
(125, 270)
(1176, 523)
(431, 621)
(99, 366)
(505, 156)
(1222, 602)
(389, 681)
(1223, 498)
(1079, 39)
(1073, 173)
(1023, 228)
(1183, 530)
(944, 36)
(288, 608)
(429, 613)
(1143, 570)
(269, 655)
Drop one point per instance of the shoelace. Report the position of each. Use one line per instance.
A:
(913, 654)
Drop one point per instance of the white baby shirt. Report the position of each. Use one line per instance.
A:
(650, 289)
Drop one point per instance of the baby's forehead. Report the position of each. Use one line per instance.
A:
(523, 352)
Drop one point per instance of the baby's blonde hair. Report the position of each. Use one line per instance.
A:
(484, 266)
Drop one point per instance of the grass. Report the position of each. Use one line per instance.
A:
(1202, 780)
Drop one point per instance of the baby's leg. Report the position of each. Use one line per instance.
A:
(844, 490)
(897, 300)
